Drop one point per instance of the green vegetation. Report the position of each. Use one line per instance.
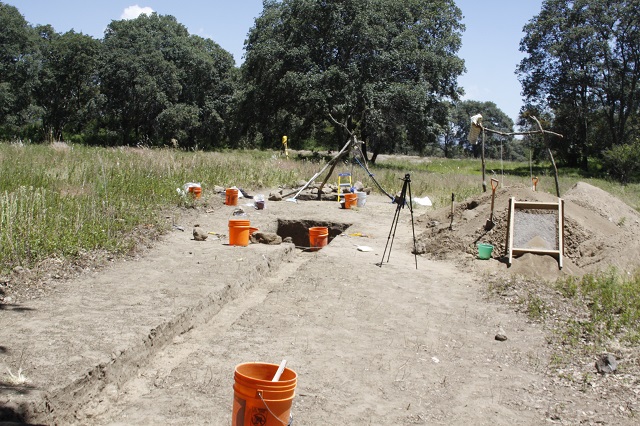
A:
(383, 70)
(611, 302)
(577, 77)
(585, 314)
(61, 200)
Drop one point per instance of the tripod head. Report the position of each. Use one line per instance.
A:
(402, 199)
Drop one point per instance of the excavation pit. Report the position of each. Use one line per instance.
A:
(298, 230)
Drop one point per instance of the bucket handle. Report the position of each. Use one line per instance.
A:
(271, 412)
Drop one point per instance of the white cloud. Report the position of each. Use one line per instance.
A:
(132, 12)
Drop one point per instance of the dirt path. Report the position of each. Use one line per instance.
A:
(156, 341)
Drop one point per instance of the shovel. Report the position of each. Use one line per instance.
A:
(490, 224)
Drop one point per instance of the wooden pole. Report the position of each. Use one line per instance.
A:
(331, 162)
(335, 160)
(484, 181)
(533, 132)
(553, 162)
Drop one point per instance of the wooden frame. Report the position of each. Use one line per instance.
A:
(533, 205)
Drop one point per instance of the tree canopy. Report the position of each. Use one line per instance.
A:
(18, 65)
(381, 68)
(160, 84)
(583, 67)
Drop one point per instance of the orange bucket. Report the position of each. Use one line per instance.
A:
(239, 232)
(350, 200)
(259, 401)
(196, 191)
(231, 197)
(318, 237)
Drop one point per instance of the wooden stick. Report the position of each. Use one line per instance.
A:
(484, 182)
(555, 168)
(532, 132)
(334, 162)
(276, 377)
(453, 197)
(331, 162)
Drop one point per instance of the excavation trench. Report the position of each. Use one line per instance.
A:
(298, 230)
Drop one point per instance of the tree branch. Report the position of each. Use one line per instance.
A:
(344, 126)
(533, 132)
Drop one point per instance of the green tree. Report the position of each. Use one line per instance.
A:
(207, 78)
(583, 66)
(156, 78)
(66, 88)
(18, 66)
(455, 139)
(380, 68)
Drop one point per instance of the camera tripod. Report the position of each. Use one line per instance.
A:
(401, 201)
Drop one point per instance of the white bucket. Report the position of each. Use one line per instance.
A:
(362, 198)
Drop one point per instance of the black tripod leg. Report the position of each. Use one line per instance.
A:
(391, 230)
(413, 229)
(394, 226)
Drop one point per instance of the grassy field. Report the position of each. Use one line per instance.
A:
(59, 200)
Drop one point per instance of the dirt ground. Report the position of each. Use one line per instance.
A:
(155, 339)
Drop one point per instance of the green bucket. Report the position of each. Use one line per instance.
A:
(484, 251)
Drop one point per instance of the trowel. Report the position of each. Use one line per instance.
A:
(490, 224)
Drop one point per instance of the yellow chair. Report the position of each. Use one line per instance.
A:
(346, 176)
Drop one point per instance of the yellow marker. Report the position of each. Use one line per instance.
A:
(286, 150)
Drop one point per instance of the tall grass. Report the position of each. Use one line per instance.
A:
(612, 303)
(59, 200)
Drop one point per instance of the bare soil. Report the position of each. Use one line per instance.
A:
(404, 339)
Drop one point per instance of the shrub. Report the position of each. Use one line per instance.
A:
(622, 162)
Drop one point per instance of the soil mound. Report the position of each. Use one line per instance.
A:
(600, 231)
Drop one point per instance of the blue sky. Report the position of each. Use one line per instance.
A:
(489, 45)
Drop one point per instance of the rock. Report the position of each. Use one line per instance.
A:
(269, 238)
(218, 189)
(501, 337)
(275, 196)
(606, 364)
(199, 234)
(359, 186)
(19, 270)
(301, 183)
(326, 190)
(287, 240)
